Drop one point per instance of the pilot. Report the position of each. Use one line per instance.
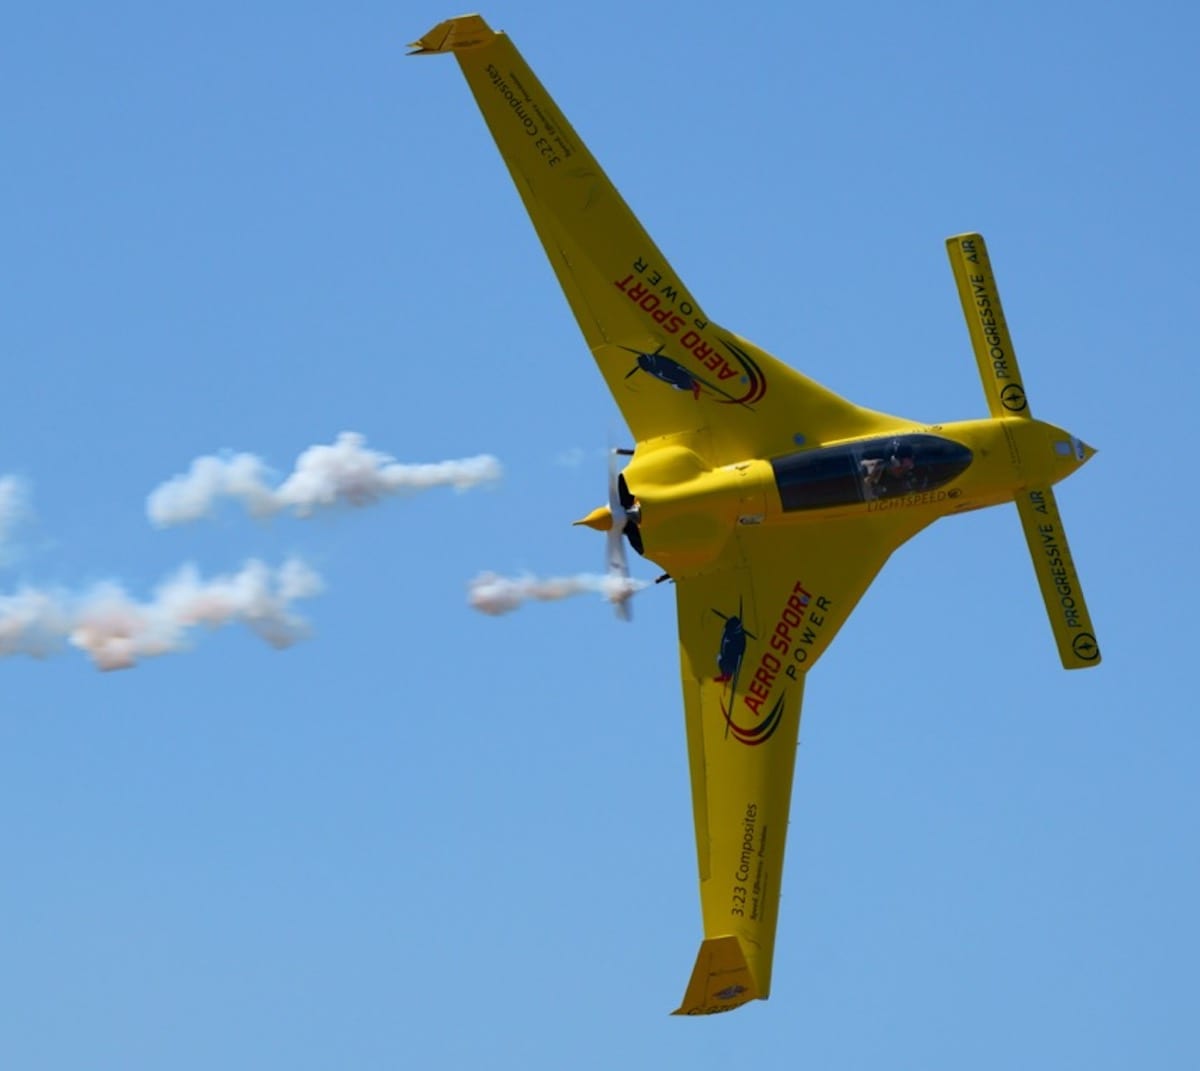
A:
(891, 473)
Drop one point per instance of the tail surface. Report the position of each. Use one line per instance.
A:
(1040, 520)
(1057, 578)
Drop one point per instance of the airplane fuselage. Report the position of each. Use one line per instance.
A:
(690, 512)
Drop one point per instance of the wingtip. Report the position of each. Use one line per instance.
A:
(721, 980)
(453, 35)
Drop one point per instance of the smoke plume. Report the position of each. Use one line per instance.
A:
(116, 631)
(496, 595)
(345, 473)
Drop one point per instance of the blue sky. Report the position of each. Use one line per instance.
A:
(425, 837)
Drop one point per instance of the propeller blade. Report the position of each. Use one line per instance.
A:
(620, 500)
(623, 493)
(615, 557)
(634, 536)
(614, 491)
(618, 568)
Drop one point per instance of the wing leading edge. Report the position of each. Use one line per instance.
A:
(671, 370)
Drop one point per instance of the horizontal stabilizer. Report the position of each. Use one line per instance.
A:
(1057, 578)
(721, 979)
(985, 321)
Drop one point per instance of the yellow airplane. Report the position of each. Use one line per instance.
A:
(771, 501)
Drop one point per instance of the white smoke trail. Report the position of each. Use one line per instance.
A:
(116, 631)
(344, 473)
(191, 496)
(496, 595)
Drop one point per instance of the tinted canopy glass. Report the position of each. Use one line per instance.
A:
(867, 470)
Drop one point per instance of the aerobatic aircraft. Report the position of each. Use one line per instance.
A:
(769, 500)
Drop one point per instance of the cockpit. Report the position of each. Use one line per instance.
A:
(866, 470)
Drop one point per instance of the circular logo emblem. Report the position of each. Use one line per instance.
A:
(1013, 398)
(1085, 647)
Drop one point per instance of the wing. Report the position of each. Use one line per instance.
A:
(748, 634)
(671, 370)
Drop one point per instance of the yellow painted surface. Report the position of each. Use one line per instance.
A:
(1059, 583)
(984, 314)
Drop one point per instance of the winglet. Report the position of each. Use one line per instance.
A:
(721, 979)
(463, 31)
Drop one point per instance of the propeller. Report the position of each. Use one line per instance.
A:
(625, 514)
(619, 521)
(628, 506)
